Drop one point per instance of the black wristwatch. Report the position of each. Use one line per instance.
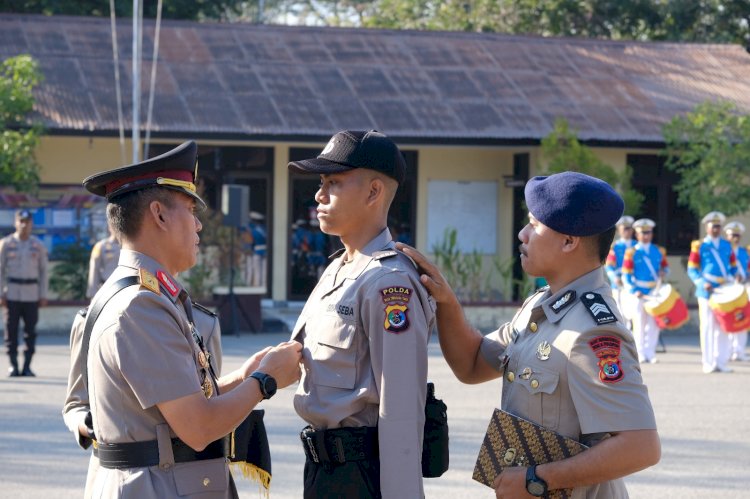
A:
(267, 384)
(535, 485)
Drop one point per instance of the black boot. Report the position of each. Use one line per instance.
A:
(27, 364)
(13, 369)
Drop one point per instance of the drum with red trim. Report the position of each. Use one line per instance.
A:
(667, 307)
(731, 306)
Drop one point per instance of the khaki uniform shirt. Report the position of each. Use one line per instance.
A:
(571, 372)
(23, 260)
(77, 399)
(365, 330)
(104, 257)
(142, 353)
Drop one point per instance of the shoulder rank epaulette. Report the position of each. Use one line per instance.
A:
(203, 309)
(382, 255)
(598, 308)
(148, 281)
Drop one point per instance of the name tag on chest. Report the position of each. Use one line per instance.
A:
(345, 310)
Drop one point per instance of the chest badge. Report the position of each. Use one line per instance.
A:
(543, 351)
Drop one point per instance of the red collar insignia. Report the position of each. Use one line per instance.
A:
(167, 282)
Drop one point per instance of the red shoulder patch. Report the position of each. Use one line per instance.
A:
(607, 350)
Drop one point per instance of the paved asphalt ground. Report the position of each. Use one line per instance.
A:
(704, 423)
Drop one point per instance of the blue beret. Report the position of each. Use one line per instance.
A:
(573, 203)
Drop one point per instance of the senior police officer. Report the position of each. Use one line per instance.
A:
(734, 232)
(23, 289)
(77, 410)
(160, 417)
(568, 362)
(103, 261)
(644, 267)
(712, 263)
(615, 257)
(365, 329)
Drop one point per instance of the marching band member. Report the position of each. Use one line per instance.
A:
(643, 267)
(734, 231)
(712, 263)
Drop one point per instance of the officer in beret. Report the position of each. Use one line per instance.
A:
(644, 267)
(567, 361)
(159, 415)
(712, 263)
(614, 259)
(103, 260)
(23, 289)
(365, 329)
(734, 231)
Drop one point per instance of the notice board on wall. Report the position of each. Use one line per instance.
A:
(470, 207)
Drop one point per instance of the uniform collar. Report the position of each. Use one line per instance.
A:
(137, 261)
(363, 257)
(591, 281)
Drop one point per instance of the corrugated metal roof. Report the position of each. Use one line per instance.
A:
(251, 81)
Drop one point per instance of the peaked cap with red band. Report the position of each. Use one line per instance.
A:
(176, 169)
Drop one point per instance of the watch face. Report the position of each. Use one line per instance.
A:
(535, 488)
(270, 385)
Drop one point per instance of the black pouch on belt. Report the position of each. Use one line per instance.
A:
(435, 455)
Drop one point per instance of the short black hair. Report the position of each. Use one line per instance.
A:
(125, 213)
(602, 243)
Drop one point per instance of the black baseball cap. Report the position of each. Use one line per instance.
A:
(23, 214)
(350, 149)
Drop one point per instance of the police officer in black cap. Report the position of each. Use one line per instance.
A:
(160, 416)
(567, 361)
(23, 289)
(365, 329)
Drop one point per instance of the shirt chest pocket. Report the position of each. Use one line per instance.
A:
(544, 397)
(334, 351)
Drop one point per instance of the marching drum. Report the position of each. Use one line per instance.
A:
(731, 306)
(667, 307)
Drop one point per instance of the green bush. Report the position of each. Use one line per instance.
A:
(69, 277)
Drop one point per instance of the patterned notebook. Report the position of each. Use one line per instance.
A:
(514, 441)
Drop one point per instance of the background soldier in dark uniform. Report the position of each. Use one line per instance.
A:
(23, 289)
(159, 416)
(567, 361)
(365, 329)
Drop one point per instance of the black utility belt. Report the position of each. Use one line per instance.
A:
(340, 445)
(15, 280)
(144, 454)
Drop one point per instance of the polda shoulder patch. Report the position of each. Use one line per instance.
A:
(598, 308)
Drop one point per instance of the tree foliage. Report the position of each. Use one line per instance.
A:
(18, 167)
(676, 20)
(710, 149)
(563, 152)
